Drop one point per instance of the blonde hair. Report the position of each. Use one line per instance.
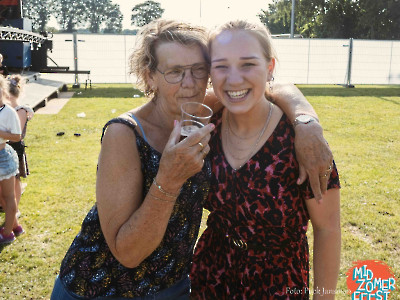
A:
(260, 32)
(144, 59)
(15, 85)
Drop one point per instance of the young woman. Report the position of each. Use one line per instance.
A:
(255, 244)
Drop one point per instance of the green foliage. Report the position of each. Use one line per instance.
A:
(96, 15)
(69, 14)
(379, 19)
(113, 23)
(362, 126)
(146, 12)
(38, 11)
(336, 18)
(103, 13)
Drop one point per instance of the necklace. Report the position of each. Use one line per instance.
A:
(252, 148)
(235, 134)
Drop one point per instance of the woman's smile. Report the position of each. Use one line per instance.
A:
(238, 95)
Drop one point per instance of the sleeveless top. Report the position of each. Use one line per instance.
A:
(19, 146)
(89, 269)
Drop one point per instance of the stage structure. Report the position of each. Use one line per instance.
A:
(24, 50)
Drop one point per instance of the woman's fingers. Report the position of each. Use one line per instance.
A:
(181, 160)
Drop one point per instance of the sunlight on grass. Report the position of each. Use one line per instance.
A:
(362, 126)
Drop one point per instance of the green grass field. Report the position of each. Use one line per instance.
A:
(362, 126)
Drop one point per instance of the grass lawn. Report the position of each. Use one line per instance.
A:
(362, 126)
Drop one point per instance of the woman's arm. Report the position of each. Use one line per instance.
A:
(325, 218)
(212, 101)
(291, 100)
(10, 136)
(23, 116)
(313, 153)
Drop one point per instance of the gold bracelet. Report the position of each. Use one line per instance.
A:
(163, 191)
(160, 199)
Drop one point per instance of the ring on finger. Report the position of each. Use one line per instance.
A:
(201, 145)
(329, 169)
(324, 175)
(204, 153)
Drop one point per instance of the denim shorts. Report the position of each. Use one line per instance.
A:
(8, 162)
(179, 291)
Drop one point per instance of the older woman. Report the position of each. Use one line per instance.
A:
(137, 240)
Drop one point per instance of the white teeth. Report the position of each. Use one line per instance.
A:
(237, 94)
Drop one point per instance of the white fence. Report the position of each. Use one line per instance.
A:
(300, 61)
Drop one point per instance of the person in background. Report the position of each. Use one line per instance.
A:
(137, 241)
(3, 68)
(10, 130)
(255, 244)
(25, 113)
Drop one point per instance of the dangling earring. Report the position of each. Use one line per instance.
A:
(271, 84)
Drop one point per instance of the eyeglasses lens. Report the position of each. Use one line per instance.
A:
(177, 74)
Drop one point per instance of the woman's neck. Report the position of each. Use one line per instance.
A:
(13, 101)
(163, 116)
(246, 123)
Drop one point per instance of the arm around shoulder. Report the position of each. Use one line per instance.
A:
(291, 100)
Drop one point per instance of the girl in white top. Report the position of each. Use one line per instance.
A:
(10, 130)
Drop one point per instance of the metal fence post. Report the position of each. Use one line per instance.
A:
(390, 64)
(348, 79)
(292, 20)
(74, 41)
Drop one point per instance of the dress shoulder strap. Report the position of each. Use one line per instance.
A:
(120, 120)
(131, 121)
(140, 125)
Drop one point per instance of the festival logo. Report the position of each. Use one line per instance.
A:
(370, 279)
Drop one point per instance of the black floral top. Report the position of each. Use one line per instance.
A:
(90, 270)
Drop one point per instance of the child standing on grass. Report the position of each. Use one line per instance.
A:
(25, 113)
(10, 130)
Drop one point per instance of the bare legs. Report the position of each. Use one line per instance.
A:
(10, 208)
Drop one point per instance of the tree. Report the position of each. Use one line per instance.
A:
(70, 13)
(336, 18)
(114, 20)
(146, 12)
(379, 19)
(38, 11)
(102, 13)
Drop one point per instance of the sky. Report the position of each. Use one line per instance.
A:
(204, 12)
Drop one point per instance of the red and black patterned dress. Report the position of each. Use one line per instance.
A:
(255, 245)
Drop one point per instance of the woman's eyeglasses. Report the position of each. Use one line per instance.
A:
(176, 74)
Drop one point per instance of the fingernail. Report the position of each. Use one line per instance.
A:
(298, 181)
(212, 126)
(175, 122)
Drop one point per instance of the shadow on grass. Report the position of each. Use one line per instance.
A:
(359, 90)
(108, 92)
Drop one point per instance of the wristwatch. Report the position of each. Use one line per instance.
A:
(304, 119)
